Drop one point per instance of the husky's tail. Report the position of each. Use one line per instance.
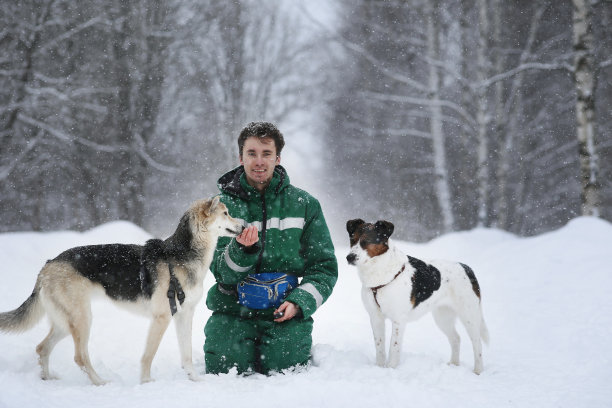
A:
(25, 316)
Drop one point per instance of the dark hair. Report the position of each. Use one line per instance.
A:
(261, 130)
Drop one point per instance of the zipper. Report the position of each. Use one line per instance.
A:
(264, 224)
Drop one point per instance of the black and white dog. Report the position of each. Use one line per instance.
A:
(402, 289)
(146, 279)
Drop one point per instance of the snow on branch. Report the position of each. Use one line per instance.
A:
(423, 102)
(606, 63)
(407, 132)
(69, 33)
(73, 93)
(139, 147)
(396, 76)
(376, 63)
(524, 67)
(7, 169)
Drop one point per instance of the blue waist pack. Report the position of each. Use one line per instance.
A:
(265, 290)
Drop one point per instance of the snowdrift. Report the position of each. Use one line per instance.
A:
(546, 300)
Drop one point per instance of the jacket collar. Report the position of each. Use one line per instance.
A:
(234, 182)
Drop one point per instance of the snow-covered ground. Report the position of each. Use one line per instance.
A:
(547, 302)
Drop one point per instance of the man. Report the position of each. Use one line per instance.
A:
(285, 237)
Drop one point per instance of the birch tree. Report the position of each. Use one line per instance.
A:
(483, 116)
(399, 98)
(138, 41)
(504, 108)
(58, 122)
(435, 122)
(585, 83)
(36, 144)
(240, 61)
(229, 63)
(508, 114)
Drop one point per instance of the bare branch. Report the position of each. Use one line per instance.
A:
(605, 64)
(524, 67)
(518, 79)
(7, 169)
(68, 97)
(139, 147)
(407, 132)
(69, 33)
(345, 42)
(387, 72)
(423, 102)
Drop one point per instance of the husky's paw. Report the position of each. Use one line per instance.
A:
(100, 382)
(49, 377)
(194, 377)
(148, 379)
(392, 364)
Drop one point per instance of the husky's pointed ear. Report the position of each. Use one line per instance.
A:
(206, 208)
(214, 203)
(384, 229)
(352, 225)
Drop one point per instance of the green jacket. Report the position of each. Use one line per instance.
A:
(293, 238)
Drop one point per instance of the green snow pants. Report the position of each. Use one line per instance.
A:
(255, 345)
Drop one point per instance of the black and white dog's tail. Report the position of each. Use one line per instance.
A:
(25, 316)
(484, 331)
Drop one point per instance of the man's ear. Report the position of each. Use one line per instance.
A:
(384, 229)
(352, 225)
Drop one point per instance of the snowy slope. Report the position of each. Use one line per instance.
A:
(546, 301)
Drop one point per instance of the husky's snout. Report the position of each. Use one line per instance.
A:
(351, 258)
(237, 231)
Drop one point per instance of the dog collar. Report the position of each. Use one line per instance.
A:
(376, 288)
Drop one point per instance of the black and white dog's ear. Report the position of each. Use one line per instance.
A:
(352, 225)
(384, 229)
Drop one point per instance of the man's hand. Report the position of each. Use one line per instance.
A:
(248, 236)
(289, 311)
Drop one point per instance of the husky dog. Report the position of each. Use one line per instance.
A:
(147, 278)
(402, 289)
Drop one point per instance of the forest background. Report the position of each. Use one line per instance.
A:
(438, 115)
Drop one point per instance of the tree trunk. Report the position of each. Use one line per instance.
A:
(502, 138)
(441, 183)
(130, 200)
(584, 78)
(507, 117)
(482, 116)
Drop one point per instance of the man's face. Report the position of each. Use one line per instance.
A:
(259, 159)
